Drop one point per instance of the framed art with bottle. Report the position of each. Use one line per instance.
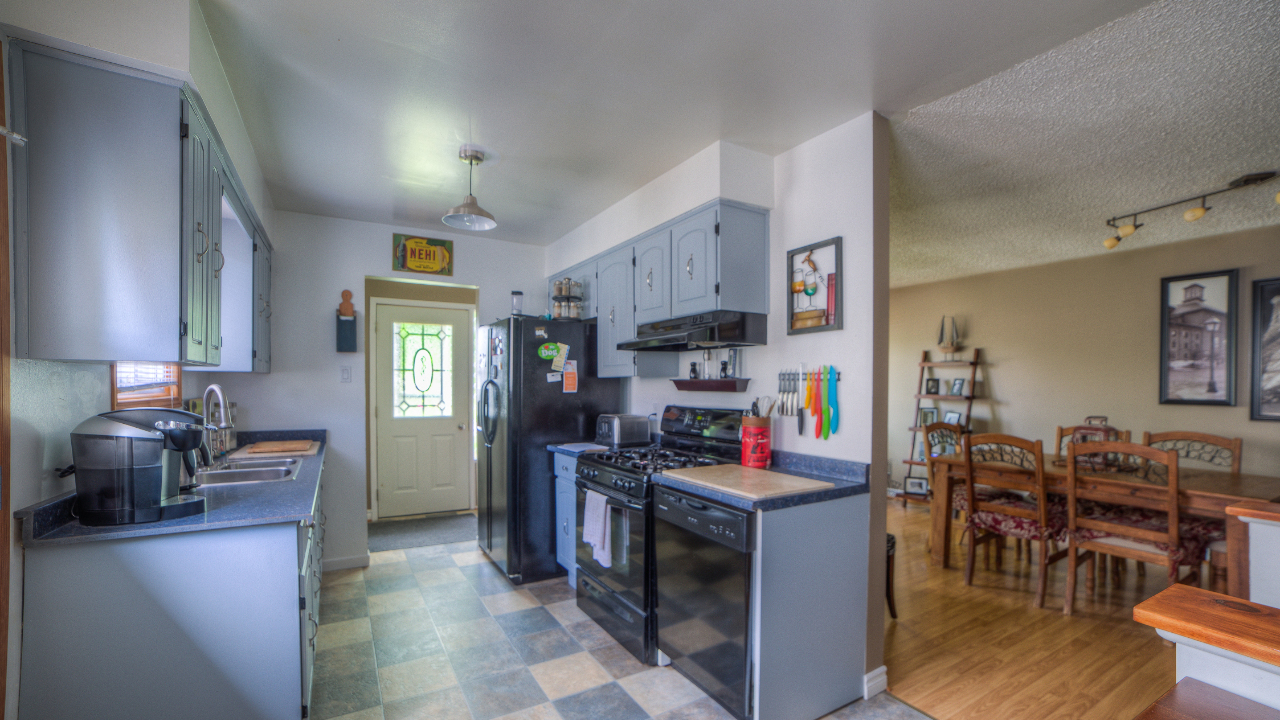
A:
(815, 287)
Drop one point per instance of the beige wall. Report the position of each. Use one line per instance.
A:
(1080, 338)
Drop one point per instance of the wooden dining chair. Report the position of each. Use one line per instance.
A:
(1115, 513)
(1213, 450)
(1063, 436)
(1017, 504)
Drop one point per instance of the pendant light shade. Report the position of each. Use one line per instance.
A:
(469, 215)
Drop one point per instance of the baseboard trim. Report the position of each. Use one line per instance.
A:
(875, 682)
(355, 561)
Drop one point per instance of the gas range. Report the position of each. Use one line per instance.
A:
(629, 470)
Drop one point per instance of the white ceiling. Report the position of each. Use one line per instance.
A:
(1023, 168)
(356, 110)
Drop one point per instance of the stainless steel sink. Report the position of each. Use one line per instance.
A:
(241, 475)
(253, 464)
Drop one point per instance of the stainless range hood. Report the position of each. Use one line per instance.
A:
(719, 329)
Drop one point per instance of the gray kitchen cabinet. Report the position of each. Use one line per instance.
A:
(652, 277)
(117, 213)
(261, 304)
(616, 321)
(720, 260)
(566, 514)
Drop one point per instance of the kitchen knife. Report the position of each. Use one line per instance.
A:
(835, 404)
(826, 409)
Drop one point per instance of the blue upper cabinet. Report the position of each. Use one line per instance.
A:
(693, 264)
(584, 273)
(616, 320)
(652, 277)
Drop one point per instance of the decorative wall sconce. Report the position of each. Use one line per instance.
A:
(1191, 215)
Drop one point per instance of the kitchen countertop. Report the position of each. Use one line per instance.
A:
(50, 522)
(572, 453)
(841, 478)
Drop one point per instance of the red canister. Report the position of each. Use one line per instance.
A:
(756, 451)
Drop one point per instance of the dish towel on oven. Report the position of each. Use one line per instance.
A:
(595, 528)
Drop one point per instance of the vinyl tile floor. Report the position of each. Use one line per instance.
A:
(439, 632)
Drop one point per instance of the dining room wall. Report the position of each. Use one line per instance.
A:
(1071, 339)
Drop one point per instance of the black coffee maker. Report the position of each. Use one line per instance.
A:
(128, 465)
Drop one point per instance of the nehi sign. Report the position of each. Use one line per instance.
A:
(421, 255)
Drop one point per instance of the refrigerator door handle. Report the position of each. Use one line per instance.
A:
(487, 423)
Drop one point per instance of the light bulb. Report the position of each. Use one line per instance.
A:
(1111, 243)
(1127, 230)
(1278, 198)
(1194, 214)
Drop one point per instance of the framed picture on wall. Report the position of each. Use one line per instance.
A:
(957, 386)
(952, 417)
(1264, 373)
(1198, 339)
(928, 416)
(814, 284)
(932, 386)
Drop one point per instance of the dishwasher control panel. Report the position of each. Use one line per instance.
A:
(728, 526)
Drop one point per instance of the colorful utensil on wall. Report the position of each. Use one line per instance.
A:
(831, 399)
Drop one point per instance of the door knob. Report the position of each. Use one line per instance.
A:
(460, 426)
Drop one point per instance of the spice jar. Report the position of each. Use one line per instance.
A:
(575, 309)
(557, 309)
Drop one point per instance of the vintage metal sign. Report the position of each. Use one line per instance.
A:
(421, 255)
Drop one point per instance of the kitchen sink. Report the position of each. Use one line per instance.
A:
(245, 474)
(255, 464)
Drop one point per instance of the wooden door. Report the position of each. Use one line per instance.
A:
(693, 265)
(652, 278)
(423, 397)
(616, 321)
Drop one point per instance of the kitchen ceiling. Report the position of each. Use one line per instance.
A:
(357, 110)
(1023, 168)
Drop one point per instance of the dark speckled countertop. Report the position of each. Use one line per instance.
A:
(50, 522)
(846, 477)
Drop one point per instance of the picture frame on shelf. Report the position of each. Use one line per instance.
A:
(932, 386)
(928, 416)
(952, 417)
(1264, 370)
(917, 486)
(815, 284)
(957, 386)
(1198, 338)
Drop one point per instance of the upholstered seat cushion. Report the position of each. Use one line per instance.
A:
(960, 496)
(1020, 527)
(1194, 534)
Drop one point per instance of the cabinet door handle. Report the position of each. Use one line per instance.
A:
(222, 261)
(688, 267)
(268, 309)
(611, 316)
(649, 279)
(200, 229)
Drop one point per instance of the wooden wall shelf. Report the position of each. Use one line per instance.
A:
(714, 385)
(926, 365)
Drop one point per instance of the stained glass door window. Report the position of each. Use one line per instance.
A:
(421, 371)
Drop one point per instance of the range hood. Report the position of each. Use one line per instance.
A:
(719, 329)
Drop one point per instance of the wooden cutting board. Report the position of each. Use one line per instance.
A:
(279, 446)
(751, 483)
(311, 448)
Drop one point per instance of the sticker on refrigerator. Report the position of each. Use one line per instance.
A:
(540, 332)
(555, 377)
(562, 354)
(571, 376)
(548, 351)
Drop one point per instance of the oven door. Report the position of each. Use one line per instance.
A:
(627, 524)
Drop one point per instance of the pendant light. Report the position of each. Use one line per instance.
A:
(469, 215)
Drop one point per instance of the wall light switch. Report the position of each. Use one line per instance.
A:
(346, 373)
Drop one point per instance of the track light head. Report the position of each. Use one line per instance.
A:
(1111, 242)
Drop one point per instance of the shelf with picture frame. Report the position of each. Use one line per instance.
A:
(938, 391)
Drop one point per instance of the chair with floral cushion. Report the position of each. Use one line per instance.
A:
(1212, 450)
(1063, 436)
(1115, 513)
(1016, 503)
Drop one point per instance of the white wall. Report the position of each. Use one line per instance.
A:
(834, 184)
(316, 258)
(49, 399)
(721, 170)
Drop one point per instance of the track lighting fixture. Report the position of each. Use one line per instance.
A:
(1191, 215)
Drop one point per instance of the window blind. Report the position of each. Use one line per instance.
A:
(145, 375)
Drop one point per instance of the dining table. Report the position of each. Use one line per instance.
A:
(1202, 492)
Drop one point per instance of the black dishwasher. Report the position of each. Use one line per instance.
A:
(703, 561)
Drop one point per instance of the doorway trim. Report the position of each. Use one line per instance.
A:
(370, 389)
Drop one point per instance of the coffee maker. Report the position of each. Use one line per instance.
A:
(128, 465)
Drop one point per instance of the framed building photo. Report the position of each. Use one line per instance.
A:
(1198, 339)
(1264, 373)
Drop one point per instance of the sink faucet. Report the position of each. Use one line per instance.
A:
(221, 431)
(224, 412)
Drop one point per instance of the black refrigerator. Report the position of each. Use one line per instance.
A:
(523, 409)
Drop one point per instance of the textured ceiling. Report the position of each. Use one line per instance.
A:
(356, 110)
(1023, 168)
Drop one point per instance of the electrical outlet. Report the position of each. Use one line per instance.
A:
(346, 373)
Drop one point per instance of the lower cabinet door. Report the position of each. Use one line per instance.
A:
(565, 521)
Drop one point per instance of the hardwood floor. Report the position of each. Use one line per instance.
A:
(984, 651)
